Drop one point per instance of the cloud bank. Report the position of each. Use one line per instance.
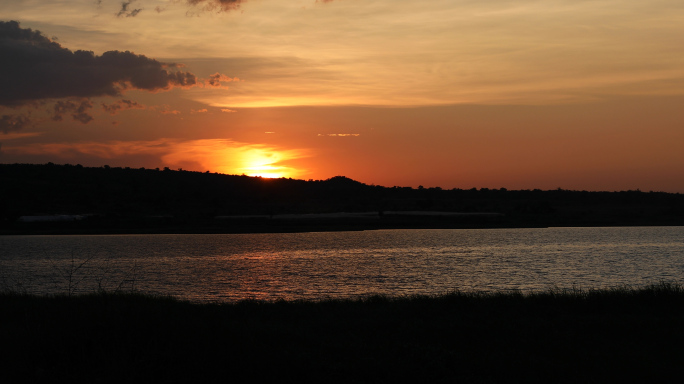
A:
(33, 67)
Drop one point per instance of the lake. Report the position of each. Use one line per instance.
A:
(230, 267)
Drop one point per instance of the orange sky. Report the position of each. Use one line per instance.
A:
(456, 94)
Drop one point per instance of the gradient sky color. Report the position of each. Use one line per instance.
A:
(585, 95)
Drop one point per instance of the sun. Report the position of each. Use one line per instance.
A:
(233, 158)
(267, 171)
(264, 163)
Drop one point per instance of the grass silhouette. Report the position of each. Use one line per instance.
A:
(561, 336)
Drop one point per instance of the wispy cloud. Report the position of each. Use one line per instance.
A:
(121, 105)
(77, 109)
(166, 110)
(216, 5)
(226, 5)
(217, 79)
(127, 11)
(19, 135)
(11, 123)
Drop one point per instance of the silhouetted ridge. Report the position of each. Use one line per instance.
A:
(115, 197)
(344, 182)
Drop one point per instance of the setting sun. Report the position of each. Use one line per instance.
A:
(255, 161)
(264, 164)
(266, 171)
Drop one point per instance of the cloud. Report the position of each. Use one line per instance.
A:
(216, 79)
(223, 5)
(17, 135)
(77, 109)
(33, 67)
(166, 110)
(10, 123)
(226, 110)
(213, 5)
(128, 12)
(121, 105)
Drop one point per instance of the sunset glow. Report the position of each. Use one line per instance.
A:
(263, 163)
(515, 94)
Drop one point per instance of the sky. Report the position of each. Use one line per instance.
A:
(582, 95)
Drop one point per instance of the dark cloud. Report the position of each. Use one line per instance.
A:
(125, 11)
(225, 5)
(81, 114)
(78, 110)
(121, 105)
(216, 79)
(9, 123)
(182, 79)
(33, 67)
(220, 5)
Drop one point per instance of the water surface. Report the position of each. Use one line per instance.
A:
(231, 267)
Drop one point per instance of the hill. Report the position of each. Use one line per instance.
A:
(132, 200)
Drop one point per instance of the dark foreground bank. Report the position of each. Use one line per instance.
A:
(614, 336)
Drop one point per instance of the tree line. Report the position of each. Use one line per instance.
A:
(45, 189)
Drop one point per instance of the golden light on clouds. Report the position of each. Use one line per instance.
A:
(519, 94)
(215, 155)
(393, 53)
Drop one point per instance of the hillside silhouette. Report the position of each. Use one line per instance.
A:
(130, 200)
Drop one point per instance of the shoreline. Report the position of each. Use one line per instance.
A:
(289, 229)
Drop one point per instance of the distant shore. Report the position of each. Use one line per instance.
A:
(607, 336)
(326, 222)
(285, 224)
(72, 199)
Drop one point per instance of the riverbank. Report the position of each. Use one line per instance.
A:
(312, 223)
(619, 335)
